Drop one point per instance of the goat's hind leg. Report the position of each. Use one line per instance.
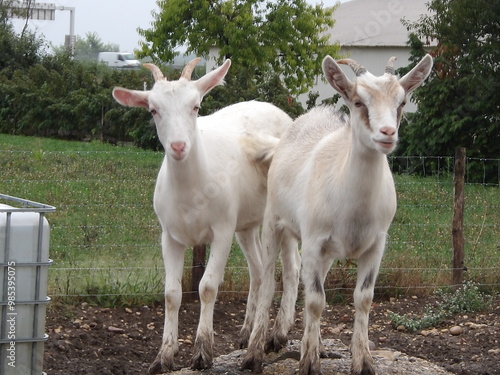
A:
(173, 258)
(291, 260)
(250, 243)
(271, 239)
(209, 285)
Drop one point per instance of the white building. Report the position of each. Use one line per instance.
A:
(370, 32)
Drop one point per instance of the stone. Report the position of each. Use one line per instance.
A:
(456, 330)
(337, 361)
(115, 329)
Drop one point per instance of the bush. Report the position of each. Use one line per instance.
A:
(466, 299)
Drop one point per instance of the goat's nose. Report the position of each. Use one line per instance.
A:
(388, 130)
(178, 147)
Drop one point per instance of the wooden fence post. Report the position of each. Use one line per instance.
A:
(458, 218)
(199, 254)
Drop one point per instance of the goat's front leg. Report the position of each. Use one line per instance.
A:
(368, 267)
(209, 285)
(250, 243)
(173, 258)
(315, 266)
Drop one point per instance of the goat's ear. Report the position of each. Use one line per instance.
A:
(214, 78)
(417, 75)
(336, 77)
(131, 98)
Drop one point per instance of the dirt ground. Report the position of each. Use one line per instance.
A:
(87, 339)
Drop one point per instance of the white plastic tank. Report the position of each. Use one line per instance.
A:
(24, 261)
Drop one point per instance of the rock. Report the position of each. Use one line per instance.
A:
(128, 310)
(472, 325)
(77, 322)
(429, 332)
(456, 330)
(401, 328)
(337, 361)
(115, 329)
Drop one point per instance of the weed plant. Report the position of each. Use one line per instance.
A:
(466, 299)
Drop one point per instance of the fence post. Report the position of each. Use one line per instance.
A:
(458, 218)
(199, 254)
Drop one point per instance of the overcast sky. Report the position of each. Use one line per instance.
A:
(115, 21)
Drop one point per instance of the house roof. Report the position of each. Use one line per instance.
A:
(375, 23)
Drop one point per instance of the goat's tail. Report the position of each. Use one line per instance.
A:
(259, 148)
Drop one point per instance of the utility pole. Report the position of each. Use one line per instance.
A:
(69, 40)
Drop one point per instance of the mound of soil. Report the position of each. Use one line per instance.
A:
(85, 339)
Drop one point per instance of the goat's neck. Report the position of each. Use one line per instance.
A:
(192, 171)
(363, 169)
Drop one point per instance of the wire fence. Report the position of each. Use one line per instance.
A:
(105, 238)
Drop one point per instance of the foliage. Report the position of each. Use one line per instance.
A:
(88, 48)
(458, 105)
(18, 52)
(264, 39)
(238, 87)
(465, 299)
(65, 98)
(57, 96)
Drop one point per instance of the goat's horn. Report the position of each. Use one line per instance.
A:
(157, 74)
(389, 68)
(188, 69)
(357, 68)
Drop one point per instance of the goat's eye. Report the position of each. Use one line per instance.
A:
(358, 104)
(196, 108)
(153, 112)
(403, 103)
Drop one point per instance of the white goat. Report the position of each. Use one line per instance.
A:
(212, 183)
(330, 184)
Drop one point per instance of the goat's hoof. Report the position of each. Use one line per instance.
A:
(243, 343)
(199, 363)
(309, 368)
(158, 368)
(275, 344)
(252, 364)
(244, 338)
(367, 369)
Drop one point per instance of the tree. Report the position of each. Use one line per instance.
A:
(460, 104)
(18, 51)
(88, 48)
(265, 39)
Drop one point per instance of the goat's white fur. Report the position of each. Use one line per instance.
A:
(212, 183)
(330, 185)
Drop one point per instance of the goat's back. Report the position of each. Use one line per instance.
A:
(302, 138)
(250, 117)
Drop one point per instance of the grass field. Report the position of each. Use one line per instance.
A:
(105, 235)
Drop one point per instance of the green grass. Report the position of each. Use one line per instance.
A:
(105, 238)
